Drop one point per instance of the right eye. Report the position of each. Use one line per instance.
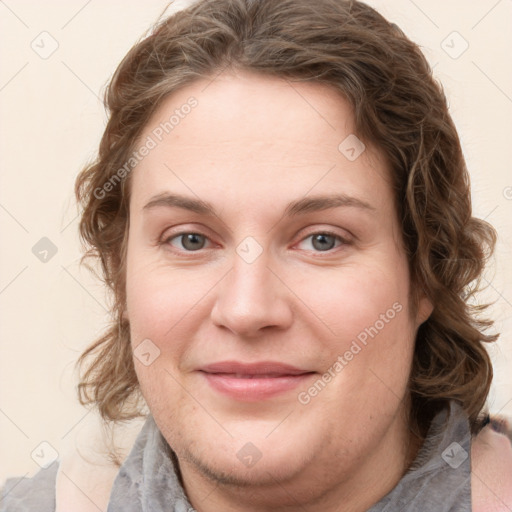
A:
(187, 241)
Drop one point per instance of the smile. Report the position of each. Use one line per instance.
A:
(255, 381)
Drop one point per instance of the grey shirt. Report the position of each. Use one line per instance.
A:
(439, 479)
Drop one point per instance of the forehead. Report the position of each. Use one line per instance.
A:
(243, 135)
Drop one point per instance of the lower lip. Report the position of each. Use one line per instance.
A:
(254, 389)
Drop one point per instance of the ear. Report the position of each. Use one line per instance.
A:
(124, 314)
(424, 309)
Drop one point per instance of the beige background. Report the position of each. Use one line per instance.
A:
(51, 122)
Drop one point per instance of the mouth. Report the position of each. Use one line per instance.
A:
(252, 382)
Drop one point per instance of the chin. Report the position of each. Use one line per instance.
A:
(229, 469)
(247, 455)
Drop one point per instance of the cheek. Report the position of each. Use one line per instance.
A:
(367, 312)
(162, 301)
(159, 302)
(350, 300)
(367, 355)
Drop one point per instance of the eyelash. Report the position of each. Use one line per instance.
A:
(343, 241)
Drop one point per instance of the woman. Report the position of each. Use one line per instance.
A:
(282, 210)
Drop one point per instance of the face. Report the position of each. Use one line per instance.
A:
(267, 285)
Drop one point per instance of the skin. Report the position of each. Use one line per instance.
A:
(253, 145)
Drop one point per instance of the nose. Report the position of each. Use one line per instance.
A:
(251, 298)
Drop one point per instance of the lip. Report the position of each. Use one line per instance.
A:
(252, 382)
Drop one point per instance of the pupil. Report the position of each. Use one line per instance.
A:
(323, 242)
(191, 240)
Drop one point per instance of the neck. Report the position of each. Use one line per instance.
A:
(321, 485)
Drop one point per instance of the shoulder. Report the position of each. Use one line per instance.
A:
(30, 494)
(91, 464)
(491, 471)
(82, 478)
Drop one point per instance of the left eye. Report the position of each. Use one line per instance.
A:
(322, 241)
(188, 241)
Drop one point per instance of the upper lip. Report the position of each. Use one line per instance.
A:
(267, 368)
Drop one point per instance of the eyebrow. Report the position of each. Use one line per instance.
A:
(295, 208)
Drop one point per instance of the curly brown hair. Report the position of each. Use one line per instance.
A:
(398, 108)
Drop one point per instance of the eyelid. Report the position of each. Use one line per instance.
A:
(315, 230)
(183, 229)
